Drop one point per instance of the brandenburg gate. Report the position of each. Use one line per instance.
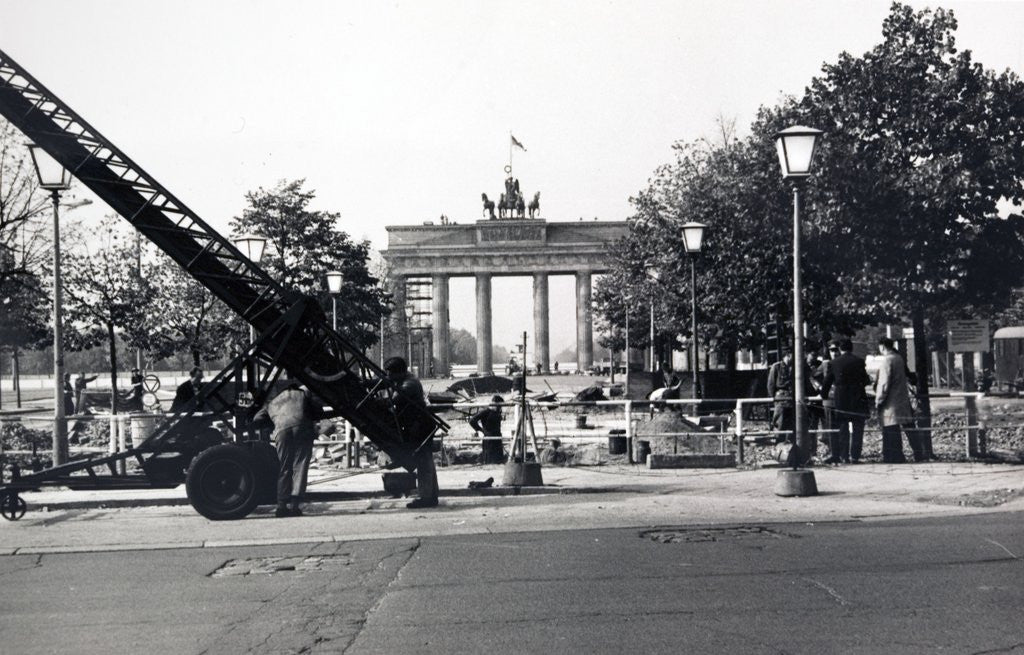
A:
(509, 247)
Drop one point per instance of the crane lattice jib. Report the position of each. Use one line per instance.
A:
(333, 368)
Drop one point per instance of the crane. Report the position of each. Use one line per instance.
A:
(223, 480)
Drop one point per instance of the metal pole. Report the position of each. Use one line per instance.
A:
(696, 349)
(138, 270)
(60, 437)
(800, 427)
(522, 400)
(652, 335)
(382, 340)
(334, 312)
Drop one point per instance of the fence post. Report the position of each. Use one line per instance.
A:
(112, 447)
(976, 446)
(738, 413)
(971, 407)
(348, 443)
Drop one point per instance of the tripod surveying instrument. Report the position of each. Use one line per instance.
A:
(519, 472)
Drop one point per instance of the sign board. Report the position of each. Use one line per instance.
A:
(968, 336)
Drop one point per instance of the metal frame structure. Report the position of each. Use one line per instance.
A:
(294, 335)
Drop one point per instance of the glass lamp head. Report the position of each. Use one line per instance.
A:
(796, 147)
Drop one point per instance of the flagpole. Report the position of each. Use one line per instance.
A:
(510, 148)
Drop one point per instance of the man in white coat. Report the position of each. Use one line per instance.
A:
(892, 400)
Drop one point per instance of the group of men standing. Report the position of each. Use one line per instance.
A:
(842, 381)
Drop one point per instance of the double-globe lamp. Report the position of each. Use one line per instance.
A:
(54, 178)
(796, 147)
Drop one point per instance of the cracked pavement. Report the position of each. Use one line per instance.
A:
(910, 585)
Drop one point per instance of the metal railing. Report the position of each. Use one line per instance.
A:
(573, 422)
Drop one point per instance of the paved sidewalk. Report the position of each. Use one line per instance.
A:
(955, 483)
(355, 508)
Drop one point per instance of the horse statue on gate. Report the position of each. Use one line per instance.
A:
(504, 206)
(534, 205)
(488, 205)
(520, 206)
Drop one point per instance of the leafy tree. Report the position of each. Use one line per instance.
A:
(461, 346)
(105, 293)
(922, 143)
(190, 318)
(303, 245)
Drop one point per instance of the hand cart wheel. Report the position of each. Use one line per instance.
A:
(12, 506)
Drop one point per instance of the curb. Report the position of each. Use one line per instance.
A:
(323, 497)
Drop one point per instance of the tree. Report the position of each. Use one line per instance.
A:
(189, 317)
(303, 245)
(22, 236)
(922, 143)
(461, 347)
(743, 268)
(105, 293)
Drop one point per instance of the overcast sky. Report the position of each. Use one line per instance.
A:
(397, 112)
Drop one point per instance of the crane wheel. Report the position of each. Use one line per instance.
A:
(12, 506)
(222, 482)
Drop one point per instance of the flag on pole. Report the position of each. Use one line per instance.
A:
(516, 143)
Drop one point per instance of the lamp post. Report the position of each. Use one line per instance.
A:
(55, 178)
(654, 274)
(334, 282)
(796, 147)
(693, 240)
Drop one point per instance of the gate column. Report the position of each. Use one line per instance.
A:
(541, 353)
(584, 329)
(483, 323)
(439, 284)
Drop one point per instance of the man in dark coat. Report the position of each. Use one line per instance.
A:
(410, 392)
(488, 421)
(844, 384)
(81, 382)
(780, 388)
(188, 389)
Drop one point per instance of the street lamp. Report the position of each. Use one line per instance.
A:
(334, 282)
(55, 178)
(693, 239)
(796, 147)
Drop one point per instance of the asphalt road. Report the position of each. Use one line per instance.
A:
(952, 584)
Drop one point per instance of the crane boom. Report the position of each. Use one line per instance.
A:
(295, 334)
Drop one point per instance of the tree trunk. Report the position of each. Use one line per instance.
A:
(113, 368)
(195, 357)
(924, 418)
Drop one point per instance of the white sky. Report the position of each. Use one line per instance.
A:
(397, 112)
